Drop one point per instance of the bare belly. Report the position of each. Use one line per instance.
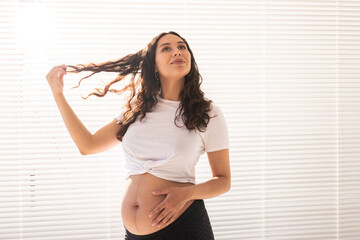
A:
(138, 201)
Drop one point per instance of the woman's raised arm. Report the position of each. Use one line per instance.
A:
(86, 142)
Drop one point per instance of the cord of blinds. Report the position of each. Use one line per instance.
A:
(285, 74)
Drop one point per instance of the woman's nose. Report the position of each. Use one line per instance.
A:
(176, 52)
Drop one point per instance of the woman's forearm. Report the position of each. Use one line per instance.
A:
(210, 188)
(78, 132)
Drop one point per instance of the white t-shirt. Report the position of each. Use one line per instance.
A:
(157, 146)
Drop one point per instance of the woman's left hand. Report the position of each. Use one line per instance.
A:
(176, 198)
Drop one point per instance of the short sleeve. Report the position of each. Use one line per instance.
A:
(216, 136)
(119, 116)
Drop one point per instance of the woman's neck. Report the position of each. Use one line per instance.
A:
(171, 91)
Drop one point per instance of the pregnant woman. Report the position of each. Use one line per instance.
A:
(164, 127)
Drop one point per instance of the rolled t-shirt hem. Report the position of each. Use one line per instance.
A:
(180, 180)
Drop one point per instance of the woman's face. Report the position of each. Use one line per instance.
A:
(172, 58)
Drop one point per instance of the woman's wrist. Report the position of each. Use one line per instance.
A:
(191, 190)
(57, 94)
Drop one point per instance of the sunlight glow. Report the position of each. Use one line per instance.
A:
(34, 25)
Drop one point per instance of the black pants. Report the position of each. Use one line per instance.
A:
(193, 224)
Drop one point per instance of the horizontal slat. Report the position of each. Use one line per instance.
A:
(285, 74)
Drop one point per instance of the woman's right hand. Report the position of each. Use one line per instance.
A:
(55, 79)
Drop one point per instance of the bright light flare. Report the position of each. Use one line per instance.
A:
(34, 25)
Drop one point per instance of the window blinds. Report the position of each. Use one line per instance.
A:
(284, 73)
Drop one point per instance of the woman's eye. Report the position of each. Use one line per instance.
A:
(167, 48)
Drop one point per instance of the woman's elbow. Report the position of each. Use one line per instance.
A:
(84, 152)
(227, 184)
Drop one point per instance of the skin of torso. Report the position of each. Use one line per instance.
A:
(138, 201)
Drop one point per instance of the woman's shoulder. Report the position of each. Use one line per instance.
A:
(214, 108)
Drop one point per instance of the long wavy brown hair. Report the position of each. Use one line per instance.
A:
(193, 107)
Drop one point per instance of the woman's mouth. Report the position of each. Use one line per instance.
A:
(178, 61)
